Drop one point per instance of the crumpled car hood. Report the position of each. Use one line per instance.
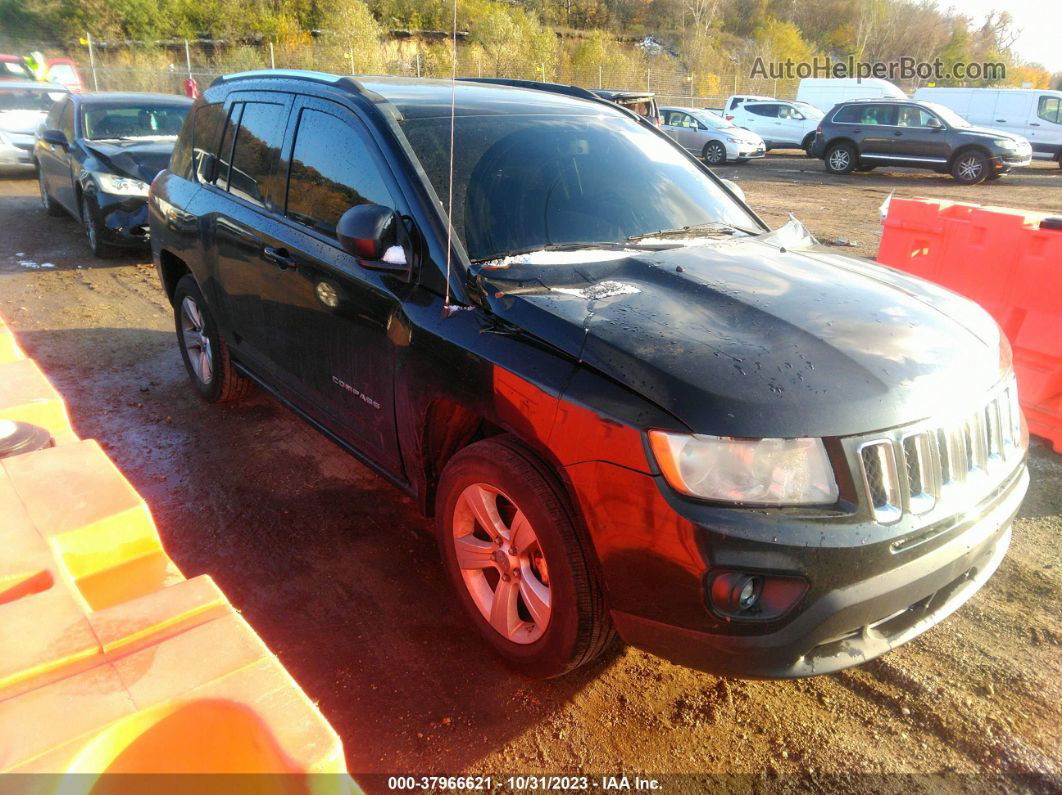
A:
(141, 160)
(743, 337)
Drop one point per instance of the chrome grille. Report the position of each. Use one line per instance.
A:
(916, 469)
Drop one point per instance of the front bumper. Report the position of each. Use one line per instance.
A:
(12, 155)
(745, 151)
(123, 219)
(1007, 162)
(863, 600)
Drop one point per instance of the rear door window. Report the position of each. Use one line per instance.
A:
(208, 125)
(769, 111)
(332, 170)
(878, 115)
(253, 174)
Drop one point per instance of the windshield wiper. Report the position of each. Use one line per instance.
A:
(680, 231)
(610, 245)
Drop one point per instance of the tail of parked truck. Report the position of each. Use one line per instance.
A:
(826, 92)
(1032, 113)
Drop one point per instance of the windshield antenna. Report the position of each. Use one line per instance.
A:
(448, 308)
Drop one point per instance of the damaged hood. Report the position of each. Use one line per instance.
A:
(758, 336)
(139, 159)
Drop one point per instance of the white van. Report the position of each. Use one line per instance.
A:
(825, 92)
(1033, 113)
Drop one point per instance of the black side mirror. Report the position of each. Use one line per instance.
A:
(934, 124)
(55, 138)
(375, 235)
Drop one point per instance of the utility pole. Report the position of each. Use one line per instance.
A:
(272, 59)
(92, 63)
(188, 58)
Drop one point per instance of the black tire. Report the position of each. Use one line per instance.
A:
(970, 167)
(809, 139)
(51, 206)
(714, 153)
(841, 158)
(223, 384)
(578, 626)
(93, 229)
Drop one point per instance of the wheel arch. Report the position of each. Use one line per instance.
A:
(171, 269)
(972, 147)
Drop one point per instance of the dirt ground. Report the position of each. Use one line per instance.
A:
(339, 575)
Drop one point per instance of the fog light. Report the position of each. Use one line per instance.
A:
(752, 597)
(736, 593)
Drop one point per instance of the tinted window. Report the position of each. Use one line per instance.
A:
(878, 114)
(331, 171)
(849, 114)
(66, 121)
(253, 175)
(209, 123)
(220, 177)
(181, 159)
(771, 111)
(52, 122)
(1050, 109)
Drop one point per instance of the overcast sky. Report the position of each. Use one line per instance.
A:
(1039, 21)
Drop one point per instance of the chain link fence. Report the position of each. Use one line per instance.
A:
(164, 66)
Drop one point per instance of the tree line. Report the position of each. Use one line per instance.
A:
(708, 38)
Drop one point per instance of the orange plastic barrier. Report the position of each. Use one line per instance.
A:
(110, 660)
(26, 396)
(1002, 259)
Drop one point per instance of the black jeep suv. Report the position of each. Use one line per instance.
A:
(630, 406)
(863, 134)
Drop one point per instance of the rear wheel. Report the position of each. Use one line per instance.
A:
(970, 168)
(47, 202)
(841, 158)
(714, 153)
(809, 139)
(522, 568)
(206, 356)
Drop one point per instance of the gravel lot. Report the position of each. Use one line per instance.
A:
(338, 573)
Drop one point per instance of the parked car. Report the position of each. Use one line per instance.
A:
(641, 102)
(734, 100)
(864, 134)
(96, 154)
(63, 71)
(1034, 114)
(24, 104)
(711, 137)
(781, 124)
(626, 402)
(825, 92)
(13, 67)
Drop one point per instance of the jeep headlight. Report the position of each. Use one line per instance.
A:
(120, 186)
(748, 471)
(1006, 143)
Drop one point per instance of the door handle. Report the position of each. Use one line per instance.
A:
(1034, 124)
(279, 257)
(897, 133)
(1004, 121)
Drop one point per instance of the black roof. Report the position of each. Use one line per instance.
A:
(422, 98)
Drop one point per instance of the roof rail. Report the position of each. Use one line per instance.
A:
(556, 88)
(295, 74)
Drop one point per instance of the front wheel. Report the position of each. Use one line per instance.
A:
(840, 159)
(714, 153)
(93, 230)
(206, 356)
(970, 168)
(522, 568)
